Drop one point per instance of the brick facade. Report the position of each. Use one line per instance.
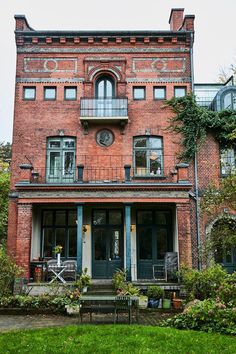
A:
(145, 59)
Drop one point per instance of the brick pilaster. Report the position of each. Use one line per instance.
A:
(184, 234)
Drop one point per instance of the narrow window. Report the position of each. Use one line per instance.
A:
(227, 161)
(159, 93)
(139, 93)
(70, 93)
(50, 93)
(29, 93)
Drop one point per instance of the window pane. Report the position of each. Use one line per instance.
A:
(155, 143)
(140, 162)
(29, 93)
(49, 93)
(60, 218)
(99, 217)
(72, 217)
(115, 217)
(69, 143)
(70, 93)
(101, 89)
(54, 144)
(72, 242)
(68, 162)
(100, 244)
(47, 218)
(48, 243)
(155, 163)
(115, 249)
(108, 89)
(180, 91)
(145, 243)
(161, 218)
(161, 243)
(139, 93)
(60, 239)
(228, 161)
(140, 142)
(159, 93)
(55, 164)
(145, 217)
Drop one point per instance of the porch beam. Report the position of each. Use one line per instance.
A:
(128, 239)
(80, 208)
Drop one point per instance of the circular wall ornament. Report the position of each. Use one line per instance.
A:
(104, 138)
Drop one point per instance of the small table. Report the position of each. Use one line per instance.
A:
(57, 271)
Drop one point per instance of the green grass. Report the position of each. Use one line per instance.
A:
(114, 339)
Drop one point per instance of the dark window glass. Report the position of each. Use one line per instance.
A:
(99, 244)
(70, 93)
(162, 244)
(60, 218)
(72, 242)
(161, 218)
(145, 243)
(180, 91)
(60, 239)
(159, 93)
(139, 93)
(49, 93)
(48, 218)
(99, 217)
(72, 217)
(29, 93)
(48, 242)
(145, 217)
(115, 217)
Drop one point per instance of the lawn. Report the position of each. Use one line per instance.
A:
(114, 339)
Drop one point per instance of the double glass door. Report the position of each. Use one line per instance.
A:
(107, 243)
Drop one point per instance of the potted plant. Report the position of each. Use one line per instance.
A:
(154, 293)
(73, 308)
(167, 300)
(143, 302)
(177, 303)
(57, 251)
(84, 280)
(119, 280)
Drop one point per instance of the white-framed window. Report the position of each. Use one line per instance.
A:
(228, 161)
(60, 159)
(148, 156)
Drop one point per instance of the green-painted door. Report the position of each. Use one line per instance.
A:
(154, 239)
(228, 260)
(107, 243)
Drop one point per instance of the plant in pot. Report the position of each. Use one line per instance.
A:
(167, 300)
(57, 251)
(84, 280)
(119, 280)
(177, 303)
(154, 293)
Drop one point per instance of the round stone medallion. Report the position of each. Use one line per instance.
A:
(104, 138)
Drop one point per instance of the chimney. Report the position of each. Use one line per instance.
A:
(176, 19)
(22, 23)
(188, 23)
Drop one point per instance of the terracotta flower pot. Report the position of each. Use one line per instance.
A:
(177, 304)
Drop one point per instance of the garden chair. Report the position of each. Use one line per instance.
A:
(122, 304)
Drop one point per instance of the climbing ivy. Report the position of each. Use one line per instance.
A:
(193, 122)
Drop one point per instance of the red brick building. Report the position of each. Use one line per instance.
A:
(94, 168)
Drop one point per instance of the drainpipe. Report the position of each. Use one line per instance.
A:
(195, 166)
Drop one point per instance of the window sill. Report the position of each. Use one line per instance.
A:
(149, 177)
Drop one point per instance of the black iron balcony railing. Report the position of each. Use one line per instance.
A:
(103, 107)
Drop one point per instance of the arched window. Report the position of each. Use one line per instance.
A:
(148, 156)
(105, 87)
(60, 159)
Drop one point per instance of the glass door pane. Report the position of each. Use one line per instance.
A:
(115, 245)
(55, 164)
(145, 244)
(100, 248)
(60, 239)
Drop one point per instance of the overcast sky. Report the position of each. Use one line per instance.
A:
(214, 47)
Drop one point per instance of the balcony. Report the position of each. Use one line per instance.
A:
(106, 169)
(103, 110)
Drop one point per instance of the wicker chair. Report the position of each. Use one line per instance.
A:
(70, 270)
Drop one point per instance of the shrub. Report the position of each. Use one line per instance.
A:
(9, 271)
(208, 316)
(84, 279)
(119, 279)
(155, 292)
(203, 284)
